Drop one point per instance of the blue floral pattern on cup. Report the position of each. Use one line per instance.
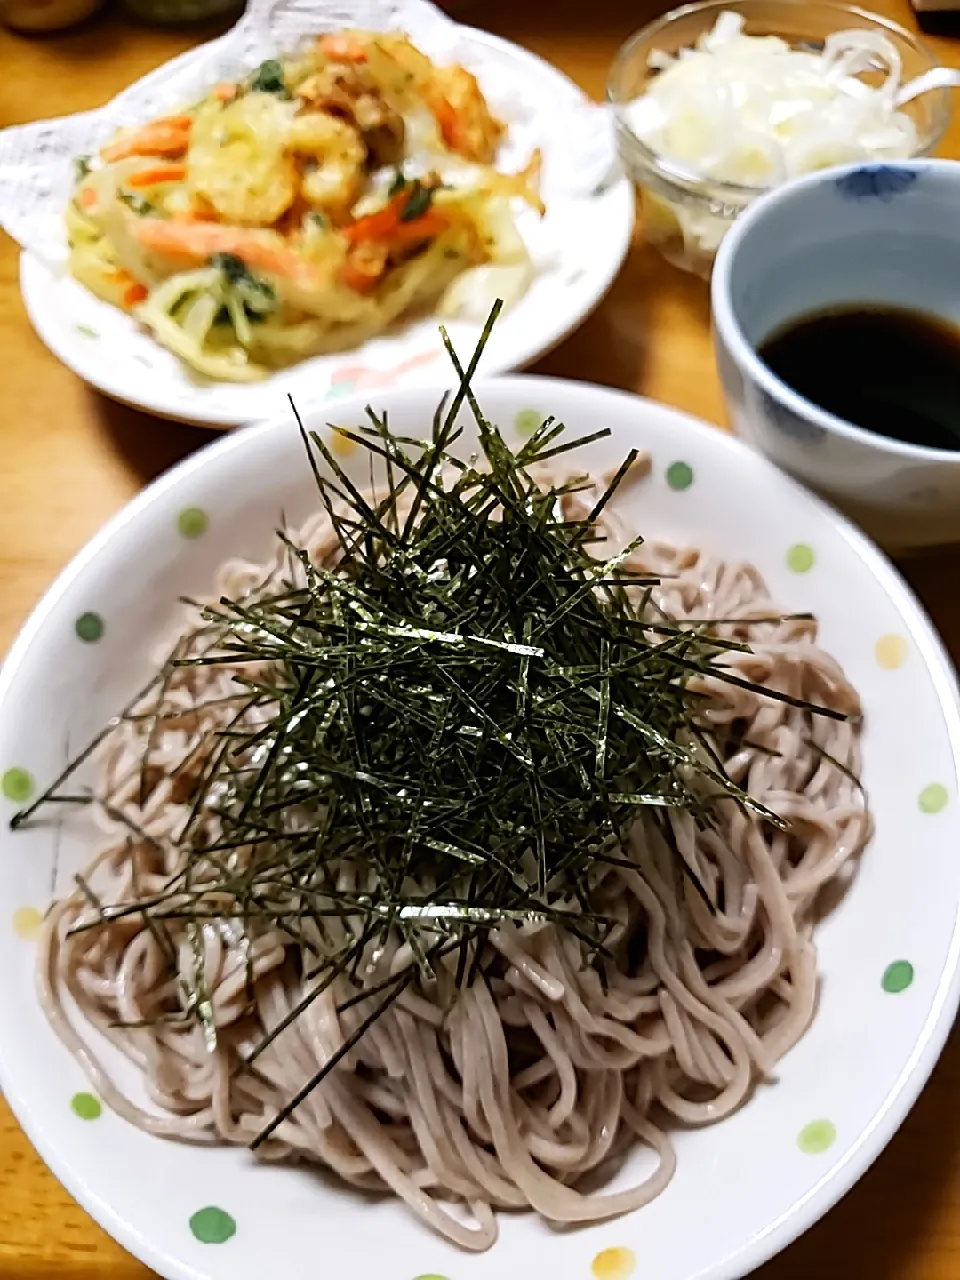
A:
(785, 420)
(876, 182)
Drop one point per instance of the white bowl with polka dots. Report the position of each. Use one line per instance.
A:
(888, 953)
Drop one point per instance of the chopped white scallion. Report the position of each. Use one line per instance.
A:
(753, 110)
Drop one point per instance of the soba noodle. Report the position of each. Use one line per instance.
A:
(532, 1086)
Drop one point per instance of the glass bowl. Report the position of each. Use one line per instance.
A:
(687, 217)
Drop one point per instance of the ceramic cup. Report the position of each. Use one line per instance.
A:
(881, 234)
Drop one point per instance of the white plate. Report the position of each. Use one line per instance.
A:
(578, 247)
(743, 1188)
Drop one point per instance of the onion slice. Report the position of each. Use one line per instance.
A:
(755, 111)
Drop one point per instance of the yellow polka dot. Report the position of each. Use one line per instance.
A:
(891, 652)
(341, 444)
(614, 1264)
(27, 922)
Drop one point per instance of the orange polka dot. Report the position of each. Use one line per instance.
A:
(27, 922)
(614, 1264)
(891, 652)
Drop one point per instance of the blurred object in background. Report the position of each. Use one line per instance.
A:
(45, 15)
(55, 15)
(935, 6)
(172, 12)
(186, 11)
(937, 17)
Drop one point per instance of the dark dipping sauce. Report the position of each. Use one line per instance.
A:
(887, 369)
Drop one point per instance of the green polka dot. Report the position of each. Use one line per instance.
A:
(800, 558)
(526, 422)
(816, 1137)
(85, 1106)
(432, 1275)
(212, 1225)
(193, 522)
(17, 785)
(679, 476)
(897, 977)
(89, 627)
(933, 798)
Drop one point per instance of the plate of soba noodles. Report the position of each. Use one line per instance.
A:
(470, 832)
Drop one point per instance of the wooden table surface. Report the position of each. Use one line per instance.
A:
(69, 459)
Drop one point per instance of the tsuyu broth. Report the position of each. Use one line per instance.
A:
(889, 370)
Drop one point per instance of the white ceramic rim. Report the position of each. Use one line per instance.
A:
(539, 343)
(728, 325)
(822, 1197)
